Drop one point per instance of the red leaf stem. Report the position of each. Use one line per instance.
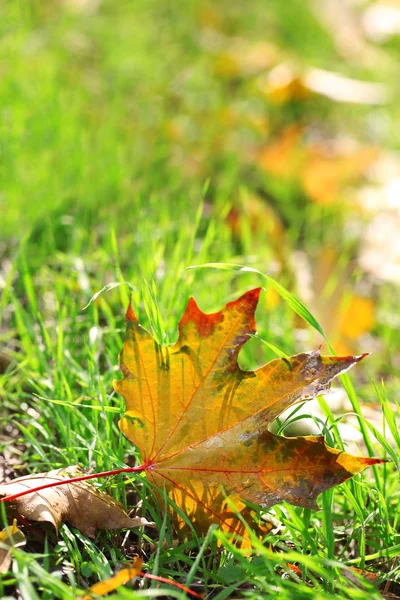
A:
(171, 582)
(138, 469)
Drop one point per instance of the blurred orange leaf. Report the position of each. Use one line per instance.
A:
(326, 175)
(109, 585)
(285, 155)
(357, 317)
(324, 169)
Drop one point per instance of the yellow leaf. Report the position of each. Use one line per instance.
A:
(326, 174)
(202, 423)
(284, 83)
(109, 585)
(325, 169)
(10, 537)
(357, 318)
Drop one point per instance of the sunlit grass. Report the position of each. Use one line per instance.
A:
(73, 359)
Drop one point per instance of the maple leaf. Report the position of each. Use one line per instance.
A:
(201, 422)
(78, 503)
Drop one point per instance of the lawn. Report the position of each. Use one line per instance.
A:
(138, 139)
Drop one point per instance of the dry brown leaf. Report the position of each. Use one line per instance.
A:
(10, 537)
(80, 504)
(358, 316)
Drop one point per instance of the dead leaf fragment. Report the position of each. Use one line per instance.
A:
(354, 575)
(80, 504)
(202, 424)
(10, 537)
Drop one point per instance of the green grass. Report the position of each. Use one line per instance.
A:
(71, 356)
(96, 191)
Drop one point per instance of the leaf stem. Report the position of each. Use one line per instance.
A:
(182, 587)
(138, 469)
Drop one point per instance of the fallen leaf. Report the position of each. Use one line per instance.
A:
(130, 572)
(10, 537)
(109, 585)
(327, 284)
(284, 156)
(354, 575)
(325, 169)
(287, 82)
(201, 423)
(326, 175)
(79, 503)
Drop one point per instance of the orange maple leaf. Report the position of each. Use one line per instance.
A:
(201, 422)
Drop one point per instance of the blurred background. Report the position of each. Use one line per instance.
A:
(141, 137)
